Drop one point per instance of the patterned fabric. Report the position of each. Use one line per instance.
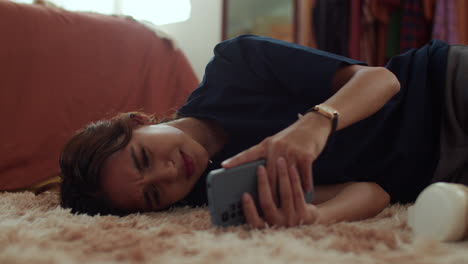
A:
(445, 21)
(415, 29)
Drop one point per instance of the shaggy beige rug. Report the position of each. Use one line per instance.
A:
(34, 229)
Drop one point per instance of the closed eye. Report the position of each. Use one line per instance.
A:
(144, 157)
(155, 194)
(136, 163)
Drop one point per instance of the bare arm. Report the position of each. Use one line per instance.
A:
(359, 91)
(349, 201)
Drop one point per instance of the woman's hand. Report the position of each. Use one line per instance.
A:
(293, 210)
(300, 144)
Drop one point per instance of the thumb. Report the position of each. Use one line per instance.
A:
(254, 153)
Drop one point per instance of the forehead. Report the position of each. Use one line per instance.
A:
(120, 180)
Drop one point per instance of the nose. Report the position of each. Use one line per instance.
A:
(165, 171)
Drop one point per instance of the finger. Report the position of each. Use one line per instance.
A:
(273, 178)
(270, 211)
(250, 212)
(298, 193)
(286, 195)
(254, 153)
(306, 175)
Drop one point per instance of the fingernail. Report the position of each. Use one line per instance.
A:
(228, 160)
(225, 162)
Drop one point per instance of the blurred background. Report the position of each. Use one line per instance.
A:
(368, 30)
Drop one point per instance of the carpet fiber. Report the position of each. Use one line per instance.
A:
(34, 229)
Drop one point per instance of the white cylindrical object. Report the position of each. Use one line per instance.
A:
(440, 212)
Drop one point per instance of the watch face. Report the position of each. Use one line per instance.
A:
(326, 111)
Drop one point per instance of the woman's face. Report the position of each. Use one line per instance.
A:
(159, 166)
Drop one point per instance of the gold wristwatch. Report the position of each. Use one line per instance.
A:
(327, 112)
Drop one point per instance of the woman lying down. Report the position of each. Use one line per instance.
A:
(372, 135)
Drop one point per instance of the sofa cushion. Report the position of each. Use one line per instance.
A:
(60, 70)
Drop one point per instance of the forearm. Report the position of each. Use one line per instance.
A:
(360, 92)
(354, 201)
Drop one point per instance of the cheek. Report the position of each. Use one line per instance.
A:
(166, 144)
(177, 191)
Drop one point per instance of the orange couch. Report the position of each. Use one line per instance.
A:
(60, 70)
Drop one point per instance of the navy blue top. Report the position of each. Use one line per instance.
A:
(255, 86)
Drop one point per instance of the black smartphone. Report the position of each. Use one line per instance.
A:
(225, 188)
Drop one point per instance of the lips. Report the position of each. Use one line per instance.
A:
(188, 164)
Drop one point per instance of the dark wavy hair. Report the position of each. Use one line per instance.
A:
(83, 156)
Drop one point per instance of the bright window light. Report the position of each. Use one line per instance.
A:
(158, 12)
(23, 1)
(101, 6)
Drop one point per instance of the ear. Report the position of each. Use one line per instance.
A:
(140, 119)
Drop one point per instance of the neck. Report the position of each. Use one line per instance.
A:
(210, 135)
